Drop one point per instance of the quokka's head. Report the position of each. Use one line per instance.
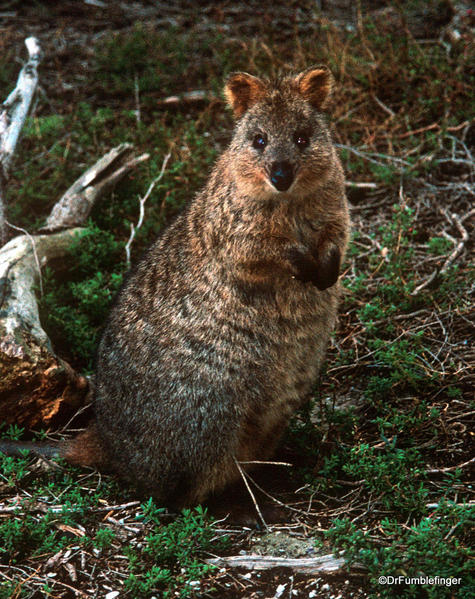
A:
(281, 143)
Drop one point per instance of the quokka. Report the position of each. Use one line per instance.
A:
(219, 332)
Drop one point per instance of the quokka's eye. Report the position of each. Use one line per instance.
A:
(259, 142)
(301, 139)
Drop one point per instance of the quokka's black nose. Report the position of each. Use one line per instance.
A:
(281, 175)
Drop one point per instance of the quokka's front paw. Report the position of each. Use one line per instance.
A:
(322, 269)
(328, 267)
(304, 265)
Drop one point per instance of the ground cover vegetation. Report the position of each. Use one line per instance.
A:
(383, 455)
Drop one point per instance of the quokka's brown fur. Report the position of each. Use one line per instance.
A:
(219, 332)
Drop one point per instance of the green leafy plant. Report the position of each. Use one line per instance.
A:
(174, 550)
(73, 310)
(396, 475)
(436, 545)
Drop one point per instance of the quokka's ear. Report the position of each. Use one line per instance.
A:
(242, 91)
(315, 85)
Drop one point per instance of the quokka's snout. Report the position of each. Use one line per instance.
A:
(281, 175)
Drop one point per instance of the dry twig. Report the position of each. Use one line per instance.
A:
(450, 468)
(244, 478)
(142, 201)
(453, 255)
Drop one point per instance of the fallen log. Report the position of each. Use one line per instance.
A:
(34, 382)
(36, 385)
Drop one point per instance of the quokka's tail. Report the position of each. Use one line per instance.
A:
(84, 450)
(17, 448)
(87, 449)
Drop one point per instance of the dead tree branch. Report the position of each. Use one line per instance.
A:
(76, 204)
(12, 118)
